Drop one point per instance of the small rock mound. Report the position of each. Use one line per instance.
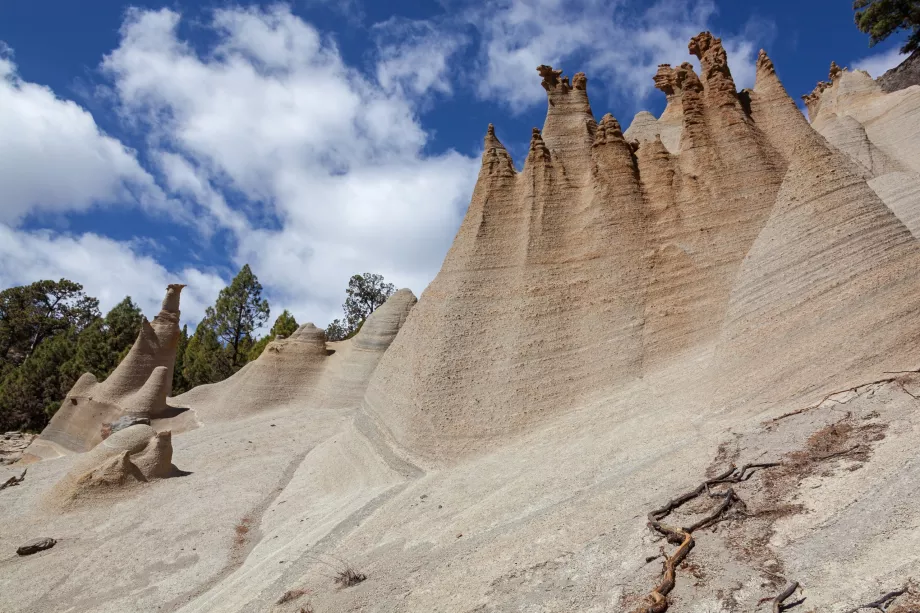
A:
(137, 454)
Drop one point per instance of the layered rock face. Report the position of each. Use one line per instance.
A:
(304, 369)
(746, 237)
(135, 392)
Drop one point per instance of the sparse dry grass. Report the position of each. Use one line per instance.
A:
(348, 577)
(291, 595)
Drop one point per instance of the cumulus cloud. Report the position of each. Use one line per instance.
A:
(615, 41)
(880, 63)
(414, 55)
(55, 158)
(107, 269)
(332, 156)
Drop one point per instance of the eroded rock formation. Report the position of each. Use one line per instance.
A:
(597, 263)
(131, 456)
(304, 369)
(137, 388)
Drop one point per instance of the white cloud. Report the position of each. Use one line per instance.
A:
(332, 158)
(108, 270)
(414, 56)
(610, 41)
(53, 156)
(880, 63)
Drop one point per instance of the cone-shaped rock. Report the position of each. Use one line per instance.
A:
(138, 386)
(304, 370)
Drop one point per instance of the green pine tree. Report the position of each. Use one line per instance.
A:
(882, 18)
(31, 394)
(284, 326)
(180, 384)
(205, 359)
(239, 311)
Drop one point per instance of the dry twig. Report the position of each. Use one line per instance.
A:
(14, 480)
(882, 603)
(783, 596)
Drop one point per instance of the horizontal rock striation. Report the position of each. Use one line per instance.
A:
(743, 238)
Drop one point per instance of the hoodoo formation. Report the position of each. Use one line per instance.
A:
(135, 392)
(746, 237)
(703, 328)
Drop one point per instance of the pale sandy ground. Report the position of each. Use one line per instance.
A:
(553, 521)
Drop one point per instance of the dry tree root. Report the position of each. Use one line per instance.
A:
(882, 603)
(784, 595)
(855, 388)
(657, 599)
(14, 480)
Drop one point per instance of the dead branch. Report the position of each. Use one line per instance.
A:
(783, 596)
(14, 480)
(828, 456)
(855, 388)
(657, 599)
(882, 603)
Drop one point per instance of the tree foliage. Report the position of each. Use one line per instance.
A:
(882, 18)
(239, 311)
(365, 293)
(51, 334)
(31, 313)
(205, 360)
(180, 384)
(284, 326)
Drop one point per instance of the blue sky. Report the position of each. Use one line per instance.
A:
(149, 143)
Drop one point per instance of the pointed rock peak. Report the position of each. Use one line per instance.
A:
(492, 141)
(666, 80)
(812, 100)
(495, 158)
(580, 81)
(714, 62)
(703, 42)
(608, 131)
(835, 71)
(687, 79)
(151, 398)
(383, 324)
(765, 64)
(308, 332)
(552, 79)
(538, 148)
(171, 301)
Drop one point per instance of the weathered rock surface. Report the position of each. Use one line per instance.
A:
(12, 446)
(902, 76)
(305, 369)
(138, 388)
(616, 323)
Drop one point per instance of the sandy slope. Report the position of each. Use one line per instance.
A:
(611, 327)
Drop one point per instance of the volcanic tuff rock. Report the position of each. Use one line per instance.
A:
(138, 387)
(304, 369)
(902, 76)
(626, 316)
(136, 454)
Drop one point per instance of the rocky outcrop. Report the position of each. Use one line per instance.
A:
(138, 387)
(902, 76)
(129, 457)
(305, 369)
(602, 261)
